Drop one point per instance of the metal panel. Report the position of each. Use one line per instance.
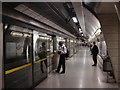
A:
(1, 56)
(91, 23)
(52, 13)
(1, 49)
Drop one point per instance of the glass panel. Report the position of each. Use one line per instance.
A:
(50, 43)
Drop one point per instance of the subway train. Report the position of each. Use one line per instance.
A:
(24, 63)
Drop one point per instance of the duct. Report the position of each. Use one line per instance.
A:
(26, 10)
(18, 16)
(49, 11)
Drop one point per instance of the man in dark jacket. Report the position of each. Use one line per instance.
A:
(94, 53)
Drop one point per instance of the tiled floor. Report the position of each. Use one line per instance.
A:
(79, 74)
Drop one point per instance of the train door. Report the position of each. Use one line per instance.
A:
(18, 57)
(68, 45)
(40, 53)
(71, 48)
(50, 53)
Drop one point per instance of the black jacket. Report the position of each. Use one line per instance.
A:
(95, 50)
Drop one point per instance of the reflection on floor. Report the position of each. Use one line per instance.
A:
(79, 74)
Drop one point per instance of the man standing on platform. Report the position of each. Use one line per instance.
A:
(62, 52)
(95, 53)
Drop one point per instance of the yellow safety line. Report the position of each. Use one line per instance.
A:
(40, 60)
(52, 55)
(26, 65)
(17, 68)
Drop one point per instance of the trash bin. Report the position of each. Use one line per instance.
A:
(107, 67)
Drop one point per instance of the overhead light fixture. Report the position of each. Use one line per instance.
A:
(82, 34)
(6, 26)
(74, 19)
(80, 29)
(16, 34)
(98, 32)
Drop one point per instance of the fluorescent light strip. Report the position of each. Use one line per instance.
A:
(74, 19)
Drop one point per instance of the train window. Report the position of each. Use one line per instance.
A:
(38, 47)
(38, 41)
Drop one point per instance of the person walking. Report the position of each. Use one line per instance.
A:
(95, 53)
(62, 52)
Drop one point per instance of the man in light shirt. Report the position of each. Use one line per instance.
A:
(62, 52)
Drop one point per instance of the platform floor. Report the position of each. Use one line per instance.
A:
(79, 74)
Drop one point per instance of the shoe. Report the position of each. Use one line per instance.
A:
(93, 65)
(57, 71)
(62, 72)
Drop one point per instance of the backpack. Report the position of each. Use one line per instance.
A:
(67, 54)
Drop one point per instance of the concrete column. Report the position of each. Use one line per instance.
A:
(1, 56)
(110, 25)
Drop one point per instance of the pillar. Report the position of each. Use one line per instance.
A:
(109, 23)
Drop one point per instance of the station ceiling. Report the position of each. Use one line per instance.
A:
(61, 14)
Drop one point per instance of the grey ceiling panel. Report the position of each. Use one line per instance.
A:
(78, 7)
(91, 23)
(40, 18)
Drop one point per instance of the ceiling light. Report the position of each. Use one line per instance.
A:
(16, 34)
(6, 26)
(81, 32)
(99, 31)
(80, 29)
(74, 19)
